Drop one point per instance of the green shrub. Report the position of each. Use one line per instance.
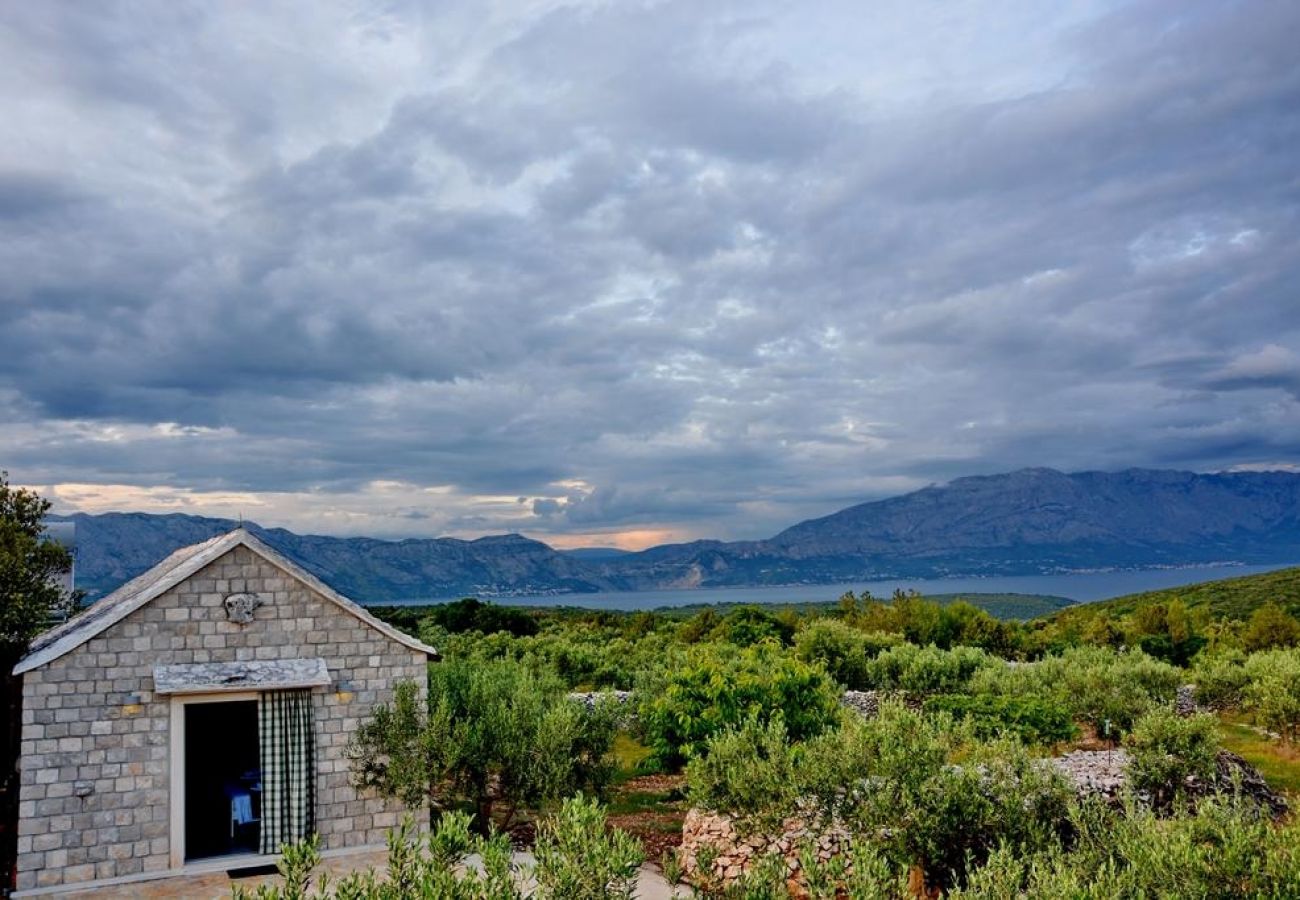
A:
(841, 649)
(1270, 627)
(1165, 749)
(1028, 719)
(493, 730)
(926, 670)
(1108, 688)
(578, 858)
(746, 626)
(1221, 679)
(716, 687)
(1273, 694)
(472, 614)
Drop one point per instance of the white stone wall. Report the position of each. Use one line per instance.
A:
(95, 799)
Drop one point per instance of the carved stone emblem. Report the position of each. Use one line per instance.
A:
(239, 607)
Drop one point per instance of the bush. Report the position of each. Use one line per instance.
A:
(492, 731)
(749, 625)
(471, 614)
(1221, 680)
(1028, 719)
(841, 649)
(719, 687)
(1165, 749)
(892, 781)
(1273, 694)
(1108, 688)
(1270, 627)
(577, 858)
(926, 670)
(750, 772)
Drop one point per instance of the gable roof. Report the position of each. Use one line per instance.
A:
(172, 571)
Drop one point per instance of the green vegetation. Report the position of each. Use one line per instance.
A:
(29, 566)
(1278, 763)
(1028, 719)
(495, 734)
(720, 686)
(1231, 598)
(577, 858)
(1165, 749)
(944, 790)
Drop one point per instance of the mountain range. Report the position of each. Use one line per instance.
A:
(1030, 521)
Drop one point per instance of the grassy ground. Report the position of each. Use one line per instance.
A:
(651, 808)
(1277, 762)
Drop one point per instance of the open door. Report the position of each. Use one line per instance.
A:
(223, 780)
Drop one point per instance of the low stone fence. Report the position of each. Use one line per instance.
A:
(712, 838)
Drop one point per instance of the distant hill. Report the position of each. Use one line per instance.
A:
(596, 553)
(1033, 521)
(1231, 598)
(115, 547)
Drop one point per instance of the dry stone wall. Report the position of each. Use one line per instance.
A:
(96, 781)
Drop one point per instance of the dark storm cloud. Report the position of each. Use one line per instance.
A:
(570, 267)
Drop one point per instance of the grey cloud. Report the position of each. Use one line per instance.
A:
(677, 255)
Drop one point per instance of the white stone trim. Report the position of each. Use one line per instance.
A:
(240, 675)
(121, 603)
(176, 788)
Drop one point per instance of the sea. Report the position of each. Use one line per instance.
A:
(1078, 586)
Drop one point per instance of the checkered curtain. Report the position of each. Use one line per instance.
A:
(288, 767)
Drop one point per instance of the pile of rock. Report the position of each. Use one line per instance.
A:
(589, 699)
(1102, 773)
(1098, 773)
(1231, 771)
(713, 838)
(1185, 700)
(867, 703)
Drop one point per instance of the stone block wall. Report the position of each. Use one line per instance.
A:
(96, 779)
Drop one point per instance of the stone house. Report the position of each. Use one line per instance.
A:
(197, 718)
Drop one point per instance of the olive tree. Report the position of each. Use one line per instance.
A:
(495, 734)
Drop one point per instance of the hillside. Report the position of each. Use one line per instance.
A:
(1028, 522)
(1232, 598)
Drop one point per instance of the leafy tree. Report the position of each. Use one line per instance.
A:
(29, 568)
(719, 686)
(1270, 627)
(840, 648)
(749, 625)
(30, 596)
(926, 670)
(494, 733)
(1028, 719)
(472, 614)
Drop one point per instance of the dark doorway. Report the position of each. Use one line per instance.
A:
(223, 783)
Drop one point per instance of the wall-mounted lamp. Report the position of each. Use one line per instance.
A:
(134, 704)
(343, 691)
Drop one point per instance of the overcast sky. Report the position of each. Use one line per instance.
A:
(627, 272)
